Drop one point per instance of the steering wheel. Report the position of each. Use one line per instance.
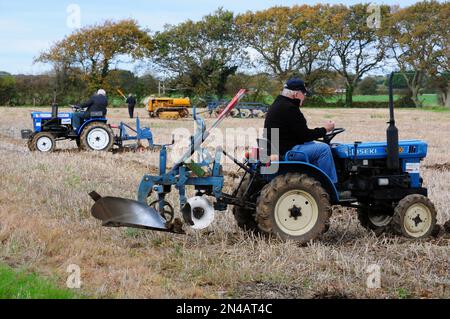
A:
(76, 108)
(330, 135)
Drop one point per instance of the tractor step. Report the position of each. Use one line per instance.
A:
(348, 200)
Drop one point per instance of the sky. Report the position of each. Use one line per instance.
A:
(30, 27)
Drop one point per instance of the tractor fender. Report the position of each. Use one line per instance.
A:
(312, 171)
(80, 129)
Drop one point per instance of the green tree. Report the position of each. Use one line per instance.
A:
(368, 86)
(288, 40)
(355, 46)
(95, 48)
(418, 39)
(7, 88)
(201, 55)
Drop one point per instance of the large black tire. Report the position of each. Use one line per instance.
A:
(374, 218)
(245, 218)
(414, 217)
(102, 138)
(42, 142)
(308, 221)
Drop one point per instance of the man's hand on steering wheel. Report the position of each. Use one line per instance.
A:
(329, 126)
(77, 108)
(331, 134)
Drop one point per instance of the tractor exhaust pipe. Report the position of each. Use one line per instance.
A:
(392, 132)
(54, 106)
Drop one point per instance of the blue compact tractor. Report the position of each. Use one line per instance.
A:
(287, 197)
(94, 133)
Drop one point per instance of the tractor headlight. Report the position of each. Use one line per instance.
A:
(383, 181)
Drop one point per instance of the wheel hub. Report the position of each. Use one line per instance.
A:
(98, 139)
(417, 220)
(296, 212)
(44, 144)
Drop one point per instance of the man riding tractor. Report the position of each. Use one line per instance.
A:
(97, 103)
(285, 119)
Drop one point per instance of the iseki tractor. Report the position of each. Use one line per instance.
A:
(94, 133)
(289, 199)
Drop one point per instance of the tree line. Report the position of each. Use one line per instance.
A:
(321, 43)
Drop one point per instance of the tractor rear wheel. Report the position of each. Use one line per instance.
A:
(42, 142)
(293, 207)
(375, 218)
(245, 218)
(414, 217)
(97, 136)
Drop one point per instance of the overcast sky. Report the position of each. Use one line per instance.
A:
(29, 27)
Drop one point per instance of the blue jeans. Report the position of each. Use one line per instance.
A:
(78, 118)
(319, 154)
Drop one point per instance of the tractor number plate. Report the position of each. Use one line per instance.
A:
(412, 167)
(66, 121)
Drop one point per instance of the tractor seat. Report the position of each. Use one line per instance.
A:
(96, 114)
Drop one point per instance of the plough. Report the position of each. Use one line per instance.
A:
(159, 214)
(141, 133)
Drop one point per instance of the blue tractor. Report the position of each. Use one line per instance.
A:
(291, 199)
(94, 133)
(48, 127)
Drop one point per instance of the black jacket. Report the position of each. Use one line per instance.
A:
(285, 115)
(96, 103)
(131, 101)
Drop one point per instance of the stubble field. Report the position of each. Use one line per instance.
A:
(45, 224)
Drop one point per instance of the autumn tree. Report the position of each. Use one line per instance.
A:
(288, 40)
(355, 46)
(201, 55)
(418, 37)
(95, 49)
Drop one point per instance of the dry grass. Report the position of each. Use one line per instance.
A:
(45, 225)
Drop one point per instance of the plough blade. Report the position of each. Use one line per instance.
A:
(122, 212)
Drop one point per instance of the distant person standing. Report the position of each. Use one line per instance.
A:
(131, 101)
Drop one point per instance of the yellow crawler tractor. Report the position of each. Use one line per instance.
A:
(168, 108)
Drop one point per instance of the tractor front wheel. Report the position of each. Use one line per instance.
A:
(42, 142)
(293, 207)
(414, 217)
(375, 218)
(97, 136)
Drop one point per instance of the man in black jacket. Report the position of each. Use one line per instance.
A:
(95, 105)
(286, 129)
(131, 101)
